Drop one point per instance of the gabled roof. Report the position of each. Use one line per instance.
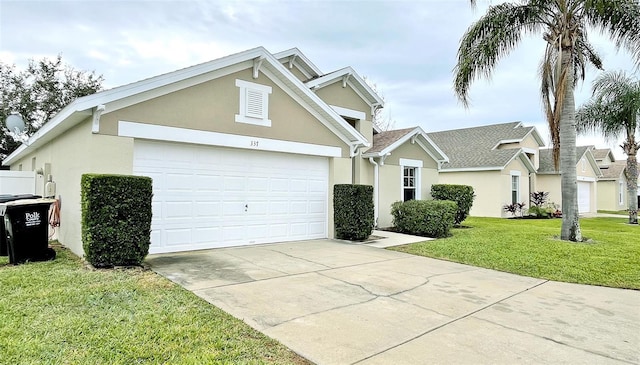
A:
(387, 141)
(293, 57)
(613, 171)
(476, 148)
(348, 76)
(601, 153)
(258, 58)
(547, 166)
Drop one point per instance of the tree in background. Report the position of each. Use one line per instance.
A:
(613, 111)
(384, 124)
(563, 25)
(40, 92)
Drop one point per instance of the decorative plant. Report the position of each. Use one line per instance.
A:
(514, 208)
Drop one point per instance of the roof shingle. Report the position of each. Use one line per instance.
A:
(470, 148)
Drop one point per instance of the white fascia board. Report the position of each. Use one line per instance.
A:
(410, 162)
(360, 87)
(174, 134)
(291, 83)
(593, 162)
(299, 55)
(323, 113)
(86, 103)
(586, 178)
(506, 141)
(349, 113)
(442, 156)
(473, 169)
(523, 159)
(536, 135)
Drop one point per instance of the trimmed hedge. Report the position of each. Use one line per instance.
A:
(116, 219)
(430, 218)
(353, 211)
(463, 195)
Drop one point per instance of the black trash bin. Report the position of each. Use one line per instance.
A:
(27, 230)
(5, 198)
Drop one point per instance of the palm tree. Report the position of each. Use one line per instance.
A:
(614, 110)
(563, 25)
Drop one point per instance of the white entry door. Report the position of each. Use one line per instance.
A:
(207, 197)
(584, 196)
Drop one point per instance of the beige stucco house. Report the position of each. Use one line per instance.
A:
(587, 175)
(612, 185)
(242, 150)
(499, 161)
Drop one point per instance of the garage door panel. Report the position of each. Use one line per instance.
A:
(584, 196)
(200, 194)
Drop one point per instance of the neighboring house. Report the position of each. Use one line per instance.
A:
(587, 174)
(499, 161)
(612, 185)
(242, 150)
(406, 164)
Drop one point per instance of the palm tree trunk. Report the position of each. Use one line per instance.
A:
(632, 187)
(569, 186)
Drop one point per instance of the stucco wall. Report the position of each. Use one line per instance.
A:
(346, 97)
(608, 198)
(390, 179)
(74, 153)
(212, 106)
(488, 187)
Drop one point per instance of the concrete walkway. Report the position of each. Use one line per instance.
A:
(341, 303)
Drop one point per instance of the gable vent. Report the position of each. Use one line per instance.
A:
(254, 103)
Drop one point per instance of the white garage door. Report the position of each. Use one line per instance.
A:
(207, 197)
(584, 196)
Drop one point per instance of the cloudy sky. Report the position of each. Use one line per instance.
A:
(407, 48)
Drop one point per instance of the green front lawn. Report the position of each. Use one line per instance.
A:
(60, 312)
(531, 247)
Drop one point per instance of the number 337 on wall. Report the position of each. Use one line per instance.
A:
(254, 143)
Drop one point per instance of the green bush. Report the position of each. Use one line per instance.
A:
(461, 194)
(353, 211)
(430, 218)
(116, 219)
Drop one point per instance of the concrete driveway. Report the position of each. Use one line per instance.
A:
(341, 303)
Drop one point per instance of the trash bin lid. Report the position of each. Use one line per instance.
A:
(23, 201)
(9, 198)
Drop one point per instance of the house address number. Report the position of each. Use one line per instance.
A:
(254, 143)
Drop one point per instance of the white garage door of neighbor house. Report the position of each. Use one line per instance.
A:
(208, 197)
(584, 196)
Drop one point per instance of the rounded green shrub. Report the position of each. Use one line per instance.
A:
(430, 218)
(463, 195)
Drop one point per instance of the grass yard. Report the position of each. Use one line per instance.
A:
(531, 247)
(60, 312)
(618, 212)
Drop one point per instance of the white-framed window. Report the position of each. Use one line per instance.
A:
(254, 103)
(620, 192)
(410, 179)
(515, 188)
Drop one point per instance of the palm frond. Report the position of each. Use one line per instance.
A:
(620, 19)
(492, 37)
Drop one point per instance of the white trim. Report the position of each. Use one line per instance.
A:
(529, 150)
(244, 115)
(506, 141)
(349, 113)
(472, 169)
(417, 181)
(621, 190)
(515, 173)
(174, 134)
(79, 109)
(338, 75)
(586, 178)
(410, 163)
(299, 55)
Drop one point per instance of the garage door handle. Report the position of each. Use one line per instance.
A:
(246, 207)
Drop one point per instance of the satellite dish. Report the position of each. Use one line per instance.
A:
(15, 123)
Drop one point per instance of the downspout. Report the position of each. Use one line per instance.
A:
(375, 190)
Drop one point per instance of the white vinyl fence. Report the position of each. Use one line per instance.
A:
(17, 182)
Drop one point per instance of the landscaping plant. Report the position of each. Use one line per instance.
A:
(116, 219)
(429, 218)
(463, 195)
(353, 211)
